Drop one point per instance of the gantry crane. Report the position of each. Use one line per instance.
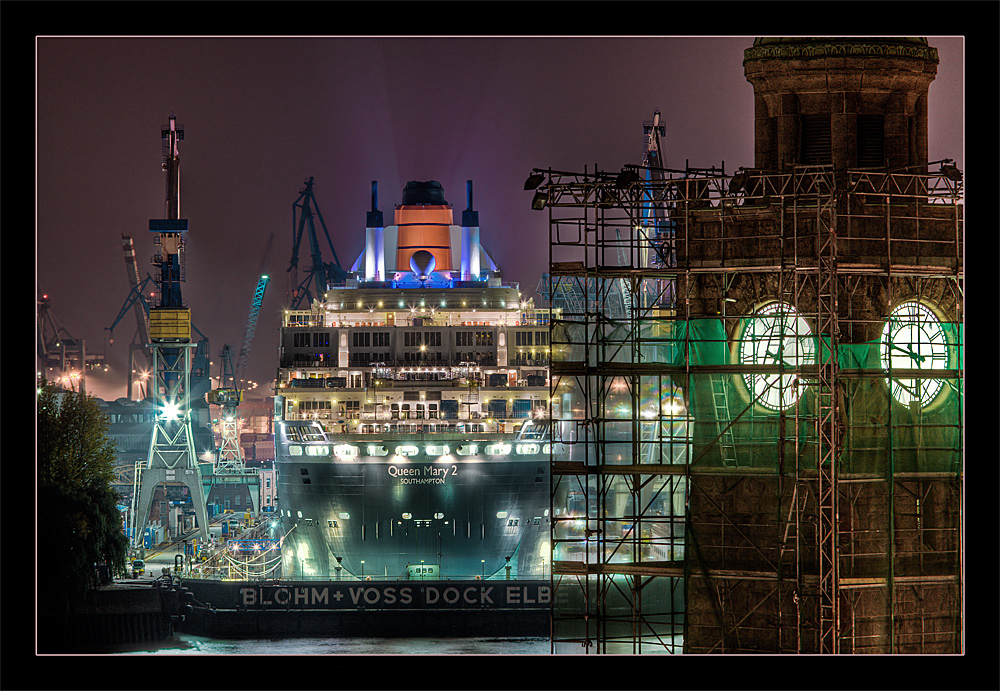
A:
(321, 275)
(229, 395)
(171, 449)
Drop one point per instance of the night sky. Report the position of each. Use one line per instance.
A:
(262, 115)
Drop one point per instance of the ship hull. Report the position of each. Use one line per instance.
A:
(396, 517)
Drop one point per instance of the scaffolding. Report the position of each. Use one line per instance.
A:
(765, 453)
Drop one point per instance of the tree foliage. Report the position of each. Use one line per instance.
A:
(78, 520)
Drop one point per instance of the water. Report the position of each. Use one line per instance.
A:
(185, 644)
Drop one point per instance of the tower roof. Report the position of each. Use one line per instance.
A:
(798, 47)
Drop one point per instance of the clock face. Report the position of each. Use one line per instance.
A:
(913, 338)
(776, 335)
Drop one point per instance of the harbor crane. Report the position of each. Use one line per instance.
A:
(139, 300)
(656, 224)
(229, 395)
(58, 350)
(171, 456)
(322, 275)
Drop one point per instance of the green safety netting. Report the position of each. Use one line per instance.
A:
(731, 419)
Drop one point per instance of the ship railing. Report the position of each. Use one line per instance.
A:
(383, 578)
(455, 381)
(402, 419)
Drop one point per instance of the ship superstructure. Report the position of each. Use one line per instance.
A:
(410, 429)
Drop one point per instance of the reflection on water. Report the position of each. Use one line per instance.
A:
(184, 644)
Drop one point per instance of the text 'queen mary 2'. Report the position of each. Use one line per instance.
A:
(410, 434)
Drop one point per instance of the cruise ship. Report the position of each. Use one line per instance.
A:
(411, 437)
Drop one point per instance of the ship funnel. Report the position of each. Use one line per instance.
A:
(374, 240)
(424, 220)
(470, 238)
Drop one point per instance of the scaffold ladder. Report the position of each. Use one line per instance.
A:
(727, 445)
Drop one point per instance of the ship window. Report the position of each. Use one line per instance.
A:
(294, 450)
(501, 514)
(303, 471)
(306, 481)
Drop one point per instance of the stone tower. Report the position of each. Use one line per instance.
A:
(849, 102)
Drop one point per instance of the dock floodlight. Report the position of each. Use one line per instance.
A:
(533, 181)
(171, 411)
(539, 201)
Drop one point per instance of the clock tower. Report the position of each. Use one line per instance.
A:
(846, 102)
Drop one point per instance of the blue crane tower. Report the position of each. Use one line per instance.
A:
(322, 275)
(172, 457)
(656, 224)
(230, 394)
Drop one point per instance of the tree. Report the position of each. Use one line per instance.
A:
(78, 520)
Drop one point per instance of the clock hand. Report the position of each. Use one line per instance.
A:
(780, 357)
(913, 355)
